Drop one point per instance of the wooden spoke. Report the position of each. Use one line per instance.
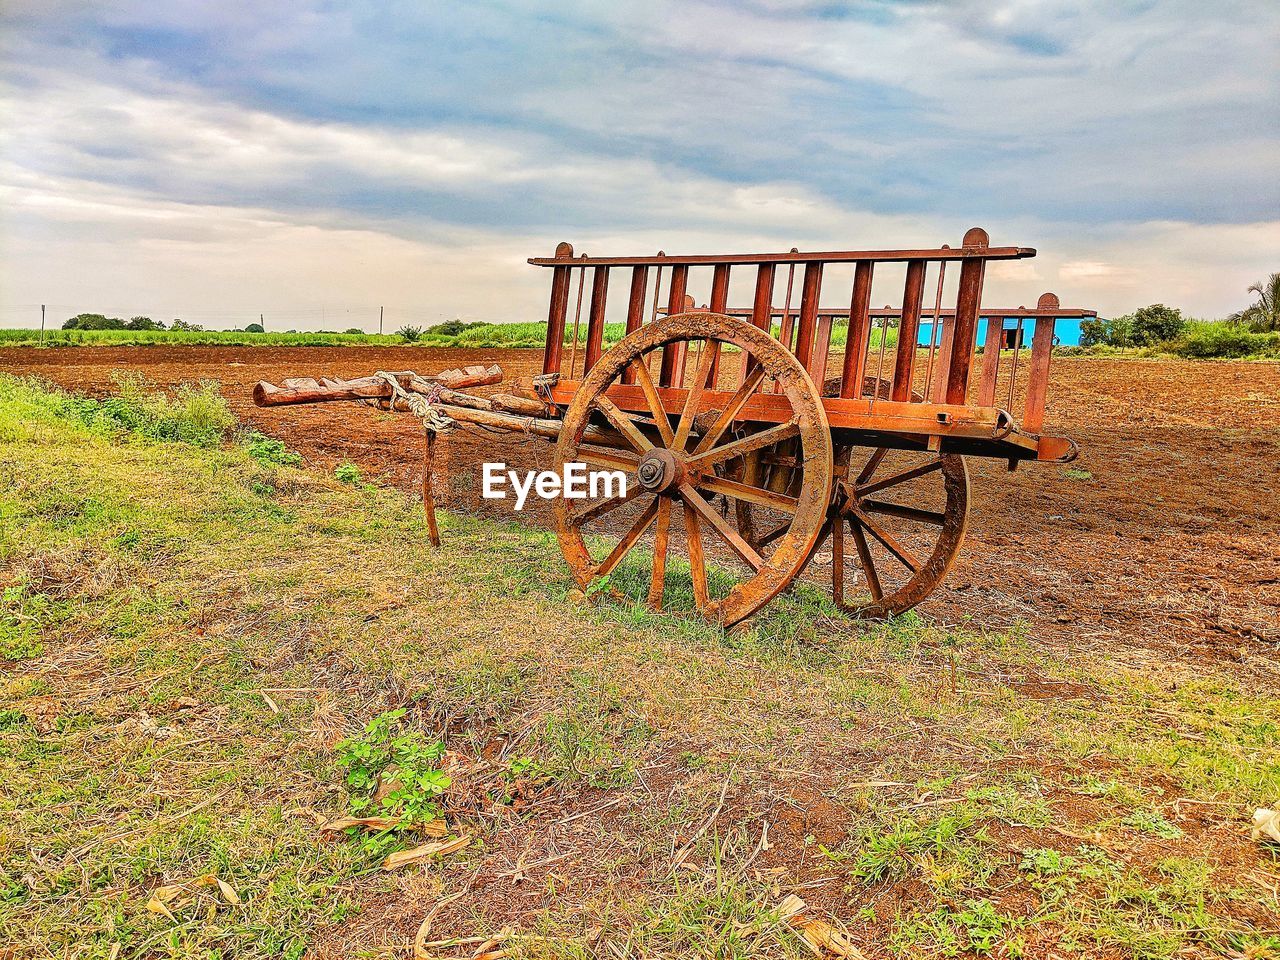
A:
(661, 535)
(659, 410)
(745, 491)
(736, 448)
(613, 459)
(697, 559)
(734, 407)
(870, 468)
(705, 363)
(625, 424)
(596, 511)
(730, 536)
(864, 557)
(935, 517)
(889, 541)
(628, 540)
(864, 488)
(775, 533)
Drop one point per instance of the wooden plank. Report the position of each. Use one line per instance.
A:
(855, 348)
(826, 256)
(1038, 375)
(635, 310)
(854, 414)
(556, 314)
(719, 303)
(595, 318)
(761, 310)
(908, 331)
(672, 372)
(807, 325)
(960, 355)
(991, 361)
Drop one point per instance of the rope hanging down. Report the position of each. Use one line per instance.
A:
(433, 423)
(421, 406)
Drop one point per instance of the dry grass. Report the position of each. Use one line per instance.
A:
(203, 630)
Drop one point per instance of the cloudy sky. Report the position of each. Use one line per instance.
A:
(313, 160)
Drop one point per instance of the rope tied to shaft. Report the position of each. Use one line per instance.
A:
(422, 406)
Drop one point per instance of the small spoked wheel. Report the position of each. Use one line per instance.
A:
(894, 528)
(675, 447)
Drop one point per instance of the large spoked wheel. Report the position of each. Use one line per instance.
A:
(675, 453)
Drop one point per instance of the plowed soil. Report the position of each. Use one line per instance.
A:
(1165, 534)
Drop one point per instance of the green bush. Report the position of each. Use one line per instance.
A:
(93, 321)
(269, 451)
(1203, 340)
(195, 414)
(409, 333)
(1155, 324)
(254, 328)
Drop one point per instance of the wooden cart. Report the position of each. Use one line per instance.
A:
(781, 453)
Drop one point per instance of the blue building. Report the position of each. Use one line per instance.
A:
(1066, 331)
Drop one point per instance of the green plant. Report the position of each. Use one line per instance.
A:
(20, 616)
(1116, 332)
(1044, 861)
(895, 852)
(254, 328)
(1204, 340)
(347, 473)
(269, 451)
(1154, 823)
(410, 334)
(351, 330)
(983, 925)
(394, 772)
(93, 321)
(1263, 315)
(1155, 324)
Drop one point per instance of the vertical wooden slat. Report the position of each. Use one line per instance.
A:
(786, 327)
(944, 360)
(672, 373)
(719, 304)
(595, 319)
(908, 331)
(635, 310)
(556, 316)
(855, 348)
(808, 323)
(761, 308)
(991, 361)
(821, 348)
(964, 331)
(1038, 376)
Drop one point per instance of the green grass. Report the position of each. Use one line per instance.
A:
(487, 336)
(193, 627)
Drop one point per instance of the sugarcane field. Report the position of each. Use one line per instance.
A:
(605, 497)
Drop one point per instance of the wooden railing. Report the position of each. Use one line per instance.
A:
(663, 284)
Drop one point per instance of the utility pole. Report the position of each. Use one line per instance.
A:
(42, 324)
(380, 309)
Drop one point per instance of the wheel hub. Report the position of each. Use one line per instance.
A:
(659, 470)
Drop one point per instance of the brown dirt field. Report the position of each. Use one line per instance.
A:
(1173, 544)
